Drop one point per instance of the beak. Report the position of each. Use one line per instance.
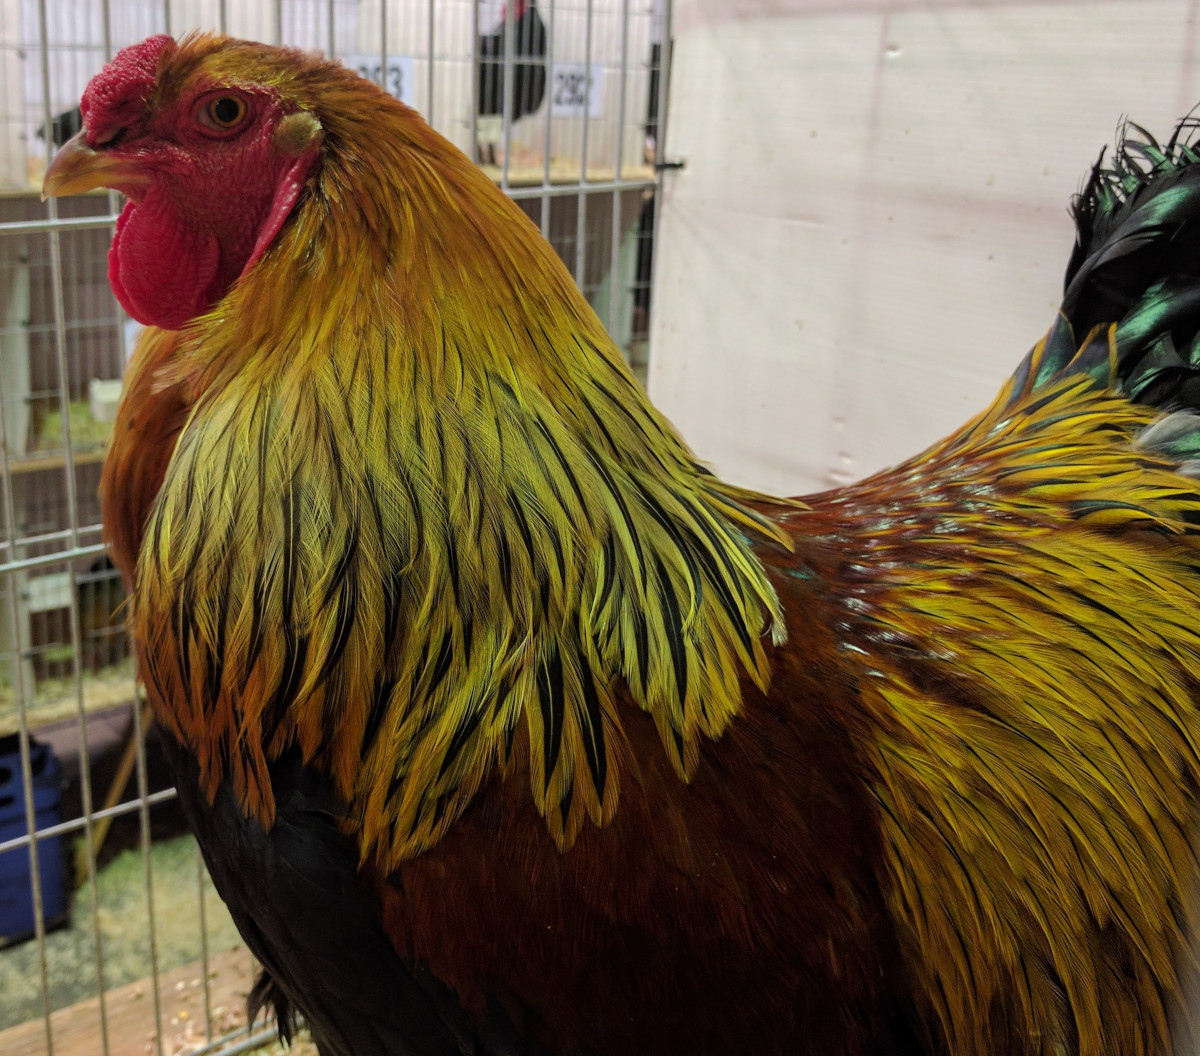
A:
(77, 168)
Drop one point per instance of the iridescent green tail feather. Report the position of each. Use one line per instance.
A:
(1135, 271)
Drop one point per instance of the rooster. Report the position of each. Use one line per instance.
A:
(506, 727)
(528, 87)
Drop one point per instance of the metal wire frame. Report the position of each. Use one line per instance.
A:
(67, 547)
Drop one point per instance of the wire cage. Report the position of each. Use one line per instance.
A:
(111, 938)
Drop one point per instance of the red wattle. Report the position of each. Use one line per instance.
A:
(161, 269)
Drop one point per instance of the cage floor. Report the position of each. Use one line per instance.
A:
(125, 938)
(300, 1047)
(56, 701)
(130, 1016)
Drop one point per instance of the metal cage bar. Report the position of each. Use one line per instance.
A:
(581, 215)
(571, 166)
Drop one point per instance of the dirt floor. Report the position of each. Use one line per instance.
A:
(123, 922)
(299, 1047)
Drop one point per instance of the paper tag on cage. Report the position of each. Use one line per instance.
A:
(400, 80)
(577, 89)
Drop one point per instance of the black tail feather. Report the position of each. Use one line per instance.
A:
(1136, 264)
(266, 994)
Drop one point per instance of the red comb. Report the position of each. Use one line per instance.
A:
(124, 84)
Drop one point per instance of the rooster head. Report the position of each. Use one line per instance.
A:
(212, 140)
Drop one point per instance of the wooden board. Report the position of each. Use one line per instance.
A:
(129, 1011)
(41, 461)
(564, 171)
(56, 701)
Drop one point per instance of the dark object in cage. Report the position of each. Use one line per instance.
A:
(645, 267)
(102, 615)
(529, 65)
(62, 126)
(16, 885)
(101, 595)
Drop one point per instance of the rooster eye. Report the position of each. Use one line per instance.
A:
(224, 111)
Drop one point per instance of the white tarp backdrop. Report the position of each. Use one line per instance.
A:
(871, 228)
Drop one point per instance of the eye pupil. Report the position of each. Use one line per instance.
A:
(226, 110)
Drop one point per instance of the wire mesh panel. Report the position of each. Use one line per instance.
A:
(111, 937)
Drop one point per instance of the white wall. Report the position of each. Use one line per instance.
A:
(871, 228)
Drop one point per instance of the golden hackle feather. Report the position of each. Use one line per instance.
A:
(154, 408)
(420, 475)
(1034, 736)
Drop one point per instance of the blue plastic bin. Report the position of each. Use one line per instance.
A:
(16, 888)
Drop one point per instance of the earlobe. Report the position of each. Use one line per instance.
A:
(291, 183)
(297, 133)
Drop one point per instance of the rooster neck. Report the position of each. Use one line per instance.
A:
(433, 474)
